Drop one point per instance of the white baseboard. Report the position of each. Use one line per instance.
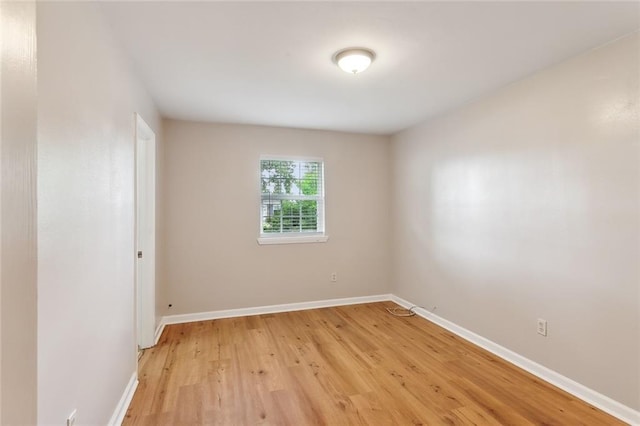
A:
(289, 307)
(125, 400)
(606, 404)
(159, 330)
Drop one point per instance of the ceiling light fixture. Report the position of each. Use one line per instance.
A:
(354, 59)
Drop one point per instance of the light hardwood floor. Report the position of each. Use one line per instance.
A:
(350, 365)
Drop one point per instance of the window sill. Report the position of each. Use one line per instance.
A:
(298, 239)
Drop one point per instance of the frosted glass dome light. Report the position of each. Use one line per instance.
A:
(354, 60)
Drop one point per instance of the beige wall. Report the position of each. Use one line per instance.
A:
(211, 208)
(18, 213)
(525, 205)
(86, 102)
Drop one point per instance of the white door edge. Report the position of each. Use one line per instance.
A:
(145, 144)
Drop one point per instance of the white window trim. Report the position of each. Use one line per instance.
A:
(291, 158)
(300, 238)
(297, 239)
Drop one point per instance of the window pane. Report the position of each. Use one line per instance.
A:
(291, 177)
(278, 177)
(271, 216)
(291, 196)
(310, 180)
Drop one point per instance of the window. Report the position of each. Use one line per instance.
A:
(291, 201)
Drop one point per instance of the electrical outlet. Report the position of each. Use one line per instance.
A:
(71, 420)
(542, 326)
(334, 277)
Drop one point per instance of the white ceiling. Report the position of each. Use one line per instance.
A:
(270, 63)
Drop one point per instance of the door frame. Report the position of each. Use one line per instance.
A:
(145, 233)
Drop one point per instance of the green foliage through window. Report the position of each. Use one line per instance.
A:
(292, 196)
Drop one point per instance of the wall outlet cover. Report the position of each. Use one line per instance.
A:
(542, 327)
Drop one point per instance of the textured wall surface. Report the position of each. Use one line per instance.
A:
(526, 204)
(87, 97)
(212, 207)
(18, 134)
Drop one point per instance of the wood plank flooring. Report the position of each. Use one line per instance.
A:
(349, 365)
